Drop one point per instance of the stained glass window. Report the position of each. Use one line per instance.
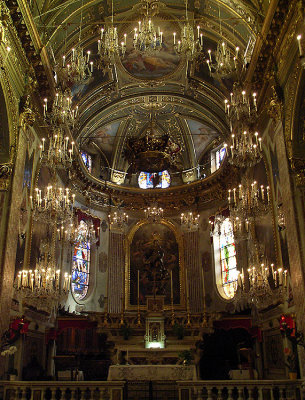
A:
(227, 257)
(148, 180)
(220, 156)
(81, 263)
(87, 160)
(217, 157)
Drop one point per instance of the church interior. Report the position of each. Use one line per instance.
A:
(152, 187)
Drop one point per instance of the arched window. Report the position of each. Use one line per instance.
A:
(225, 257)
(81, 262)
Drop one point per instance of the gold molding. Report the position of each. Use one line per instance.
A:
(127, 244)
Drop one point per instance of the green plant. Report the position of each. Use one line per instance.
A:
(178, 330)
(126, 331)
(186, 356)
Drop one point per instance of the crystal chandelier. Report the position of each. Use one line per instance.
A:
(262, 286)
(245, 145)
(241, 227)
(244, 148)
(52, 204)
(249, 201)
(241, 107)
(153, 213)
(58, 153)
(188, 44)
(147, 39)
(118, 220)
(76, 66)
(61, 111)
(108, 44)
(189, 221)
(43, 287)
(69, 231)
(226, 61)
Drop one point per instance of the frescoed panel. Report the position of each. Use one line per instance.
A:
(104, 137)
(147, 180)
(155, 65)
(154, 252)
(202, 135)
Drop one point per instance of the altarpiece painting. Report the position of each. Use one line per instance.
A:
(153, 256)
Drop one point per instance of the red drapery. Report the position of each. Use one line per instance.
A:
(244, 323)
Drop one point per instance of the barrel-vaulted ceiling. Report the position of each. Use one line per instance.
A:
(183, 98)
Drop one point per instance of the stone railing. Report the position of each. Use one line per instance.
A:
(241, 390)
(62, 390)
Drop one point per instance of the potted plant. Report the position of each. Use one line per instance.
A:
(186, 357)
(291, 363)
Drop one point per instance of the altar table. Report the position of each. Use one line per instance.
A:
(152, 373)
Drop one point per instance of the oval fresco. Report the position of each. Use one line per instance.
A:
(158, 65)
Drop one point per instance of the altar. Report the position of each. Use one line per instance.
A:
(152, 373)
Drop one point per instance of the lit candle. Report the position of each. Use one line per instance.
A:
(198, 31)
(63, 60)
(174, 34)
(268, 194)
(210, 55)
(285, 278)
(161, 37)
(138, 288)
(299, 37)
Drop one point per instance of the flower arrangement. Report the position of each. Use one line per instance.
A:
(291, 360)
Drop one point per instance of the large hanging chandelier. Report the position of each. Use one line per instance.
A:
(52, 204)
(261, 286)
(190, 42)
(153, 213)
(118, 220)
(57, 152)
(189, 221)
(69, 232)
(62, 111)
(245, 145)
(43, 287)
(147, 39)
(76, 65)
(249, 201)
(108, 44)
(224, 61)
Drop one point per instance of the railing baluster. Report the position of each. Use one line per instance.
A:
(210, 396)
(260, 393)
(219, 393)
(240, 393)
(230, 393)
(282, 396)
(251, 390)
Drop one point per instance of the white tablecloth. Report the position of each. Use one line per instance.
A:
(151, 373)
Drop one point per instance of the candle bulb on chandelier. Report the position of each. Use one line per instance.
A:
(299, 37)
(174, 34)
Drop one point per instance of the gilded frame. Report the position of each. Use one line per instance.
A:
(127, 244)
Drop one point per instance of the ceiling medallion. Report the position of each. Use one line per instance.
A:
(151, 152)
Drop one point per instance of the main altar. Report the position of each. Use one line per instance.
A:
(155, 314)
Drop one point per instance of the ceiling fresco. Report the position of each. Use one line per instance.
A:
(116, 102)
(202, 136)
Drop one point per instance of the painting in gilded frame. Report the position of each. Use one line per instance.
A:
(154, 252)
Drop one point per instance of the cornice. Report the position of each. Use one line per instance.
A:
(199, 194)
